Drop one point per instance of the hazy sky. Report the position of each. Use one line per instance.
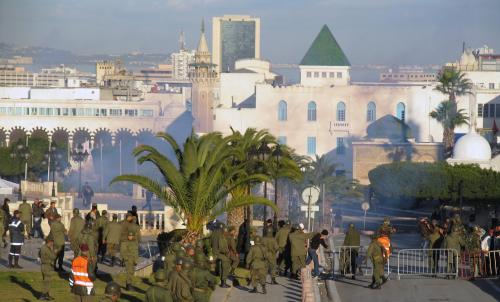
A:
(369, 31)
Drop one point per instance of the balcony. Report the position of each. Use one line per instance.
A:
(338, 126)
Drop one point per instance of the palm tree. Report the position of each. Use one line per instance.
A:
(245, 153)
(453, 84)
(450, 118)
(197, 183)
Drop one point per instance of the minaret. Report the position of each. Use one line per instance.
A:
(205, 82)
(182, 41)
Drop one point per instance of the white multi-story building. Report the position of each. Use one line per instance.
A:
(180, 63)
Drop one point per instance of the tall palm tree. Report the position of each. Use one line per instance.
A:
(449, 117)
(453, 84)
(197, 183)
(245, 147)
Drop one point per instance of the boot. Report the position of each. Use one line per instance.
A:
(16, 262)
(273, 281)
(223, 284)
(112, 261)
(44, 297)
(10, 261)
(254, 290)
(384, 280)
(129, 287)
(50, 298)
(264, 291)
(377, 286)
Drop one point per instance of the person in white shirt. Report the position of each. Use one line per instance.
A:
(485, 248)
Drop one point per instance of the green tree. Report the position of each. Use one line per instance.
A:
(198, 182)
(450, 118)
(453, 84)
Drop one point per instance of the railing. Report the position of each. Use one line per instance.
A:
(428, 262)
(482, 264)
(340, 262)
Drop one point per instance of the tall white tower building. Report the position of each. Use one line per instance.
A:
(181, 60)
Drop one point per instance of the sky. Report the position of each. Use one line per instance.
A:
(369, 31)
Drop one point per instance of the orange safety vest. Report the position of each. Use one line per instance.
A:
(385, 242)
(79, 270)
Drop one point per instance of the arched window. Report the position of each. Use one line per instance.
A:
(371, 112)
(282, 111)
(340, 112)
(311, 111)
(401, 111)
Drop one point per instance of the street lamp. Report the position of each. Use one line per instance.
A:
(263, 153)
(80, 156)
(53, 156)
(22, 153)
(277, 153)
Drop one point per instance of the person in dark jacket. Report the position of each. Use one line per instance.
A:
(6, 219)
(134, 213)
(16, 231)
(37, 218)
(312, 254)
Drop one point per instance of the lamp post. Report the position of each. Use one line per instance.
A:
(277, 153)
(263, 153)
(53, 156)
(22, 153)
(79, 155)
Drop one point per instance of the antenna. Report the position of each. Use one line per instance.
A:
(463, 46)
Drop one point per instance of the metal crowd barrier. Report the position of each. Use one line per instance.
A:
(340, 262)
(428, 262)
(482, 264)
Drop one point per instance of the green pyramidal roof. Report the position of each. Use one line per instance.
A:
(325, 51)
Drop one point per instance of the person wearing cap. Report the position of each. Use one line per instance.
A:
(101, 224)
(47, 258)
(87, 238)
(51, 212)
(112, 292)
(349, 254)
(158, 292)
(180, 284)
(281, 239)
(298, 251)
(129, 248)
(112, 233)
(58, 232)
(38, 212)
(82, 276)
(271, 249)
(26, 216)
(203, 281)
(93, 214)
(76, 226)
(16, 231)
(453, 241)
(375, 252)
(223, 254)
(257, 263)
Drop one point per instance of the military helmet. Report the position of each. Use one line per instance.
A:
(160, 275)
(200, 243)
(112, 289)
(76, 211)
(187, 264)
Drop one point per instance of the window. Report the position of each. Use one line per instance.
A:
(146, 112)
(479, 110)
(323, 74)
(282, 140)
(497, 107)
(131, 112)
(339, 75)
(340, 112)
(308, 74)
(491, 85)
(88, 112)
(104, 112)
(65, 111)
(80, 111)
(311, 145)
(340, 145)
(401, 111)
(371, 112)
(57, 111)
(282, 111)
(486, 111)
(332, 75)
(311, 111)
(34, 111)
(492, 110)
(316, 74)
(115, 112)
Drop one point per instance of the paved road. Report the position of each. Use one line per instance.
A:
(287, 290)
(411, 288)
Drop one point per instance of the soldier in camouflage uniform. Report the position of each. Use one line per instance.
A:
(203, 282)
(112, 233)
(3, 220)
(101, 224)
(87, 237)
(26, 217)
(58, 232)
(129, 249)
(159, 292)
(271, 248)
(281, 239)
(375, 253)
(257, 263)
(75, 230)
(223, 256)
(180, 283)
(234, 257)
(47, 258)
(453, 241)
(112, 292)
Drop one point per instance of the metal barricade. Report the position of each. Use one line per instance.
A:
(480, 264)
(490, 264)
(349, 261)
(428, 262)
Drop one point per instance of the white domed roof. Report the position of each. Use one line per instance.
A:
(472, 147)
